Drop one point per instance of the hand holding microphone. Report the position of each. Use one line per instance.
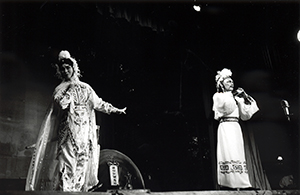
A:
(242, 94)
(239, 92)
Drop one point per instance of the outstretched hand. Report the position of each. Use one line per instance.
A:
(122, 111)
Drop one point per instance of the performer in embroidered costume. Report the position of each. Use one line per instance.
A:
(66, 153)
(229, 106)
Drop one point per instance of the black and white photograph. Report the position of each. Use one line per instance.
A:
(149, 97)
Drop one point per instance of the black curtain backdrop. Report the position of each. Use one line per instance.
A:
(159, 59)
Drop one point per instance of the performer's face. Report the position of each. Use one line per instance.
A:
(228, 84)
(67, 71)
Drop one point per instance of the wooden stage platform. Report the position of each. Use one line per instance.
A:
(17, 186)
(147, 192)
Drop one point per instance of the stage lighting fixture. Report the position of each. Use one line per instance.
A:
(280, 158)
(197, 8)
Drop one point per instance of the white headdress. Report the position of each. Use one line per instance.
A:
(65, 55)
(221, 75)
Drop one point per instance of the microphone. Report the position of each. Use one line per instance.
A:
(285, 106)
(240, 92)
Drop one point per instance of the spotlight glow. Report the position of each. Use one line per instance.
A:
(298, 35)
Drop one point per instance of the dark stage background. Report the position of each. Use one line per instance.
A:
(159, 60)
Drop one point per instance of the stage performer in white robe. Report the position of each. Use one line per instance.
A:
(66, 153)
(229, 107)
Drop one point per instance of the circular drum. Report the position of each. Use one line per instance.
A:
(117, 171)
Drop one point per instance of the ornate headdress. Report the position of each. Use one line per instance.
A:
(64, 57)
(221, 75)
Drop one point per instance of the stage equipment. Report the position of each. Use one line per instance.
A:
(285, 106)
(118, 172)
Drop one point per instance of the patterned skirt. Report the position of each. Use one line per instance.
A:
(231, 163)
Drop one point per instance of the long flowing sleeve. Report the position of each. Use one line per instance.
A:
(246, 111)
(101, 105)
(43, 163)
(223, 104)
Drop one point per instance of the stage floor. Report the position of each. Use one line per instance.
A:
(147, 192)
